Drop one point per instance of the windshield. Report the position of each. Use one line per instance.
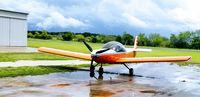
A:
(118, 47)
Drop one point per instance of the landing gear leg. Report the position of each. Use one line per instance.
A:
(131, 71)
(92, 68)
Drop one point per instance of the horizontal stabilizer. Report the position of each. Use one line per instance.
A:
(142, 50)
(138, 50)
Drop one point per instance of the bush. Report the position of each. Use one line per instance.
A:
(79, 37)
(94, 39)
(45, 35)
(37, 35)
(127, 39)
(67, 36)
(30, 35)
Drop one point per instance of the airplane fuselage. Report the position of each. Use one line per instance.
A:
(111, 57)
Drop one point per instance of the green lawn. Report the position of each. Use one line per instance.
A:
(80, 47)
(64, 45)
(77, 47)
(35, 70)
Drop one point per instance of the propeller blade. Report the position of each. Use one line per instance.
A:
(88, 46)
(101, 51)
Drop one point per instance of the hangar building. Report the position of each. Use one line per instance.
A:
(13, 28)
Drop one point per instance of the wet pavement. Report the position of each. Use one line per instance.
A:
(155, 80)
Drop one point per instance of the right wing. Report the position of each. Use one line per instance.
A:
(65, 53)
(153, 59)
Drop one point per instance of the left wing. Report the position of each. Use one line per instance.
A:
(153, 59)
(65, 53)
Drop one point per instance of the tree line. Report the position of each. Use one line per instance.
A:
(185, 39)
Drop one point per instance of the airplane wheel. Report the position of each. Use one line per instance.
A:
(100, 71)
(131, 71)
(100, 78)
(92, 74)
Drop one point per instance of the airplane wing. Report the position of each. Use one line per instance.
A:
(153, 59)
(65, 53)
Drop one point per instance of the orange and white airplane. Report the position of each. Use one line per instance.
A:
(113, 53)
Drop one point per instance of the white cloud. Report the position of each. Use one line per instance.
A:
(133, 21)
(41, 14)
(154, 15)
(57, 19)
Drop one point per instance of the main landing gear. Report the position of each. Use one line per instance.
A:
(92, 70)
(131, 71)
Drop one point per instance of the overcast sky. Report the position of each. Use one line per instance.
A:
(110, 16)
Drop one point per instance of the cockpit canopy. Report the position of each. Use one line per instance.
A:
(116, 46)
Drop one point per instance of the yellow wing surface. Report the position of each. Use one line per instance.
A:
(153, 59)
(65, 53)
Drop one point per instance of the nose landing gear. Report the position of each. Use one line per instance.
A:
(92, 70)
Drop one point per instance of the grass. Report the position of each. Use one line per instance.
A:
(64, 45)
(5, 57)
(77, 47)
(35, 70)
(159, 52)
(80, 47)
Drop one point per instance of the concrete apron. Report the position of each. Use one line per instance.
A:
(17, 49)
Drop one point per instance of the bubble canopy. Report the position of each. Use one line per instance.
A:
(114, 45)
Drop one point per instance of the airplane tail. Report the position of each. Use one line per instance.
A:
(136, 49)
(135, 42)
(133, 51)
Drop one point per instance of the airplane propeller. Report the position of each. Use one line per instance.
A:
(88, 46)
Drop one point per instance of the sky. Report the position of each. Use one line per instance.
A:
(110, 16)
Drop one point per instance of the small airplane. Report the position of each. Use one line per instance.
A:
(113, 53)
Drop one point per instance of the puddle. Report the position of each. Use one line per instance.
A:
(154, 79)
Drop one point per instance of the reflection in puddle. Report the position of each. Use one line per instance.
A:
(166, 80)
(104, 93)
(60, 85)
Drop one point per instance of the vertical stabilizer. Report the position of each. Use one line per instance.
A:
(136, 42)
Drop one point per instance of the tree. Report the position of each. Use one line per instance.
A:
(79, 37)
(119, 38)
(155, 39)
(195, 43)
(45, 35)
(127, 39)
(173, 40)
(94, 39)
(30, 35)
(67, 36)
(184, 40)
(100, 38)
(109, 38)
(87, 34)
(143, 40)
(37, 35)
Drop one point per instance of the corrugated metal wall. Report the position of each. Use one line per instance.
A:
(18, 32)
(4, 31)
(13, 31)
